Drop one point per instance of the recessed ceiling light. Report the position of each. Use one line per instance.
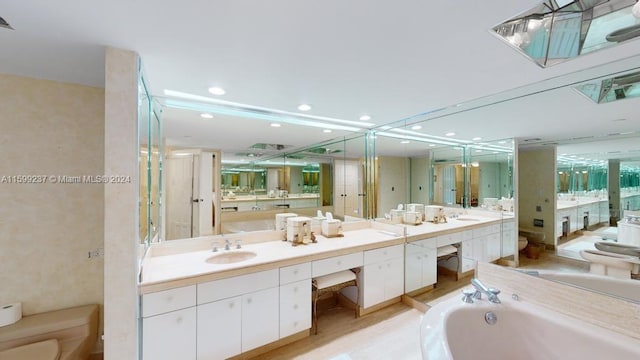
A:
(365, 118)
(206, 116)
(304, 107)
(476, 138)
(405, 142)
(432, 145)
(478, 150)
(217, 90)
(326, 131)
(502, 142)
(275, 125)
(450, 134)
(416, 127)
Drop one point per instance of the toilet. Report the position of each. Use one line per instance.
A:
(67, 334)
(522, 242)
(611, 264)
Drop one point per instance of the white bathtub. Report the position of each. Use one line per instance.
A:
(456, 330)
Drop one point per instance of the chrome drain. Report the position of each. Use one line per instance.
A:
(490, 317)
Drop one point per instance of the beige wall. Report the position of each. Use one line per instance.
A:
(393, 183)
(536, 187)
(46, 230)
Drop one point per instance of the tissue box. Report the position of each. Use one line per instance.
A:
(331, 228)
(10, 313)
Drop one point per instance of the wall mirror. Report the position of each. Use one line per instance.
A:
(150, 166)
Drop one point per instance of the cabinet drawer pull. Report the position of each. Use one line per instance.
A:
(295, 272)
(295, 324)
(339, 262)
(295, 307)
(170, 298)
(249, 300)
(295, 289)
(179, 320)
(231, 305)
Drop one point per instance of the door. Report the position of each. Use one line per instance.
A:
(179, 189)
(347, 188)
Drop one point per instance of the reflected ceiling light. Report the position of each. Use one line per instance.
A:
(276, 125)
(635, 10)
(217, 90)
(326, 131)
(365, 118)
(502, 142)
(206, 116)
(478, 150)
(432, 145)
(475, 164)
(450, 134)
(416, 127)
(476, 138)
(304, 107)
(405, 142)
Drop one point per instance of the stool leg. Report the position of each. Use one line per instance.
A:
(314, 319)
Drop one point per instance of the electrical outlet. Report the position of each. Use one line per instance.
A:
(96, 253)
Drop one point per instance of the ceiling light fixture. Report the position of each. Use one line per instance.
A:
(450, 134)
(217, 90)
(416, 127)
(405, 142)
(476, 139)
(304, 107)
(326, 131)
(275, 125)
(365, 118)
(206, 116)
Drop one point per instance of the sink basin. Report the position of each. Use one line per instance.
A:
(467, 219)
(231, 257)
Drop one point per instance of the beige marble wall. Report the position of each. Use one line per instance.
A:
(46, 230)
(121, 206)
(537, 187)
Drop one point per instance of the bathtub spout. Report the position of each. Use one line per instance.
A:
(492, 294)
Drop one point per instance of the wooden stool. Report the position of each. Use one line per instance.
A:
(330, 283)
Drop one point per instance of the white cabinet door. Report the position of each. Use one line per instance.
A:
(493, 247)
(394, 272)
(170, 336)
(260, 318)
(373, 284)
(429, 267)
(295, 307)
(413, 267)
(219, 330)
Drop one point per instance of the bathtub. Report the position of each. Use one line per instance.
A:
(453, 329)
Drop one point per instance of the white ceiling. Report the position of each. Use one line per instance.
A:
(388, 59)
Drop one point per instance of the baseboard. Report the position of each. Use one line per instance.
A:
(274, 345)
(418, 305)
(384, 304)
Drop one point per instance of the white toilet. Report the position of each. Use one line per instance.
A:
(610, 264)
(522, 242)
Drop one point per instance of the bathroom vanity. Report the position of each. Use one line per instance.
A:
(199, 304)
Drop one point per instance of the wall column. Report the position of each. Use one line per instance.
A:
(121, 213)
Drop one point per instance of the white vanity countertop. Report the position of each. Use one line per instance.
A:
(170, 271)
(465, 222)
(267, 198)
(568, 204)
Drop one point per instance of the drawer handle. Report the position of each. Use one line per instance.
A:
(380, 267)
(231, 305)
(384, 252)
(179, 320)
(339, 262)
(295, 307)
(170, 298)
(295, 272)
(295, 324)
(249, 300)
(295, 289)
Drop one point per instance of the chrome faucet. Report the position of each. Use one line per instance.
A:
(227, 244)
(492, 293)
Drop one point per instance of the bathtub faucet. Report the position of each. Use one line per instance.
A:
(492, 293)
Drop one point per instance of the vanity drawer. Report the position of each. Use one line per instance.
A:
(486, 230)
(168, 300)
(336, 263)
(237, 285)
(449, 239)
(295, 273)
(382, 254)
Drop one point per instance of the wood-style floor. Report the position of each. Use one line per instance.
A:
(393, 332)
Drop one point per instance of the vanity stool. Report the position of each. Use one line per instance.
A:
(331, 283)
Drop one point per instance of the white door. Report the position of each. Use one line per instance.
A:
(179, 190)
(205, 199)
(347, 185)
